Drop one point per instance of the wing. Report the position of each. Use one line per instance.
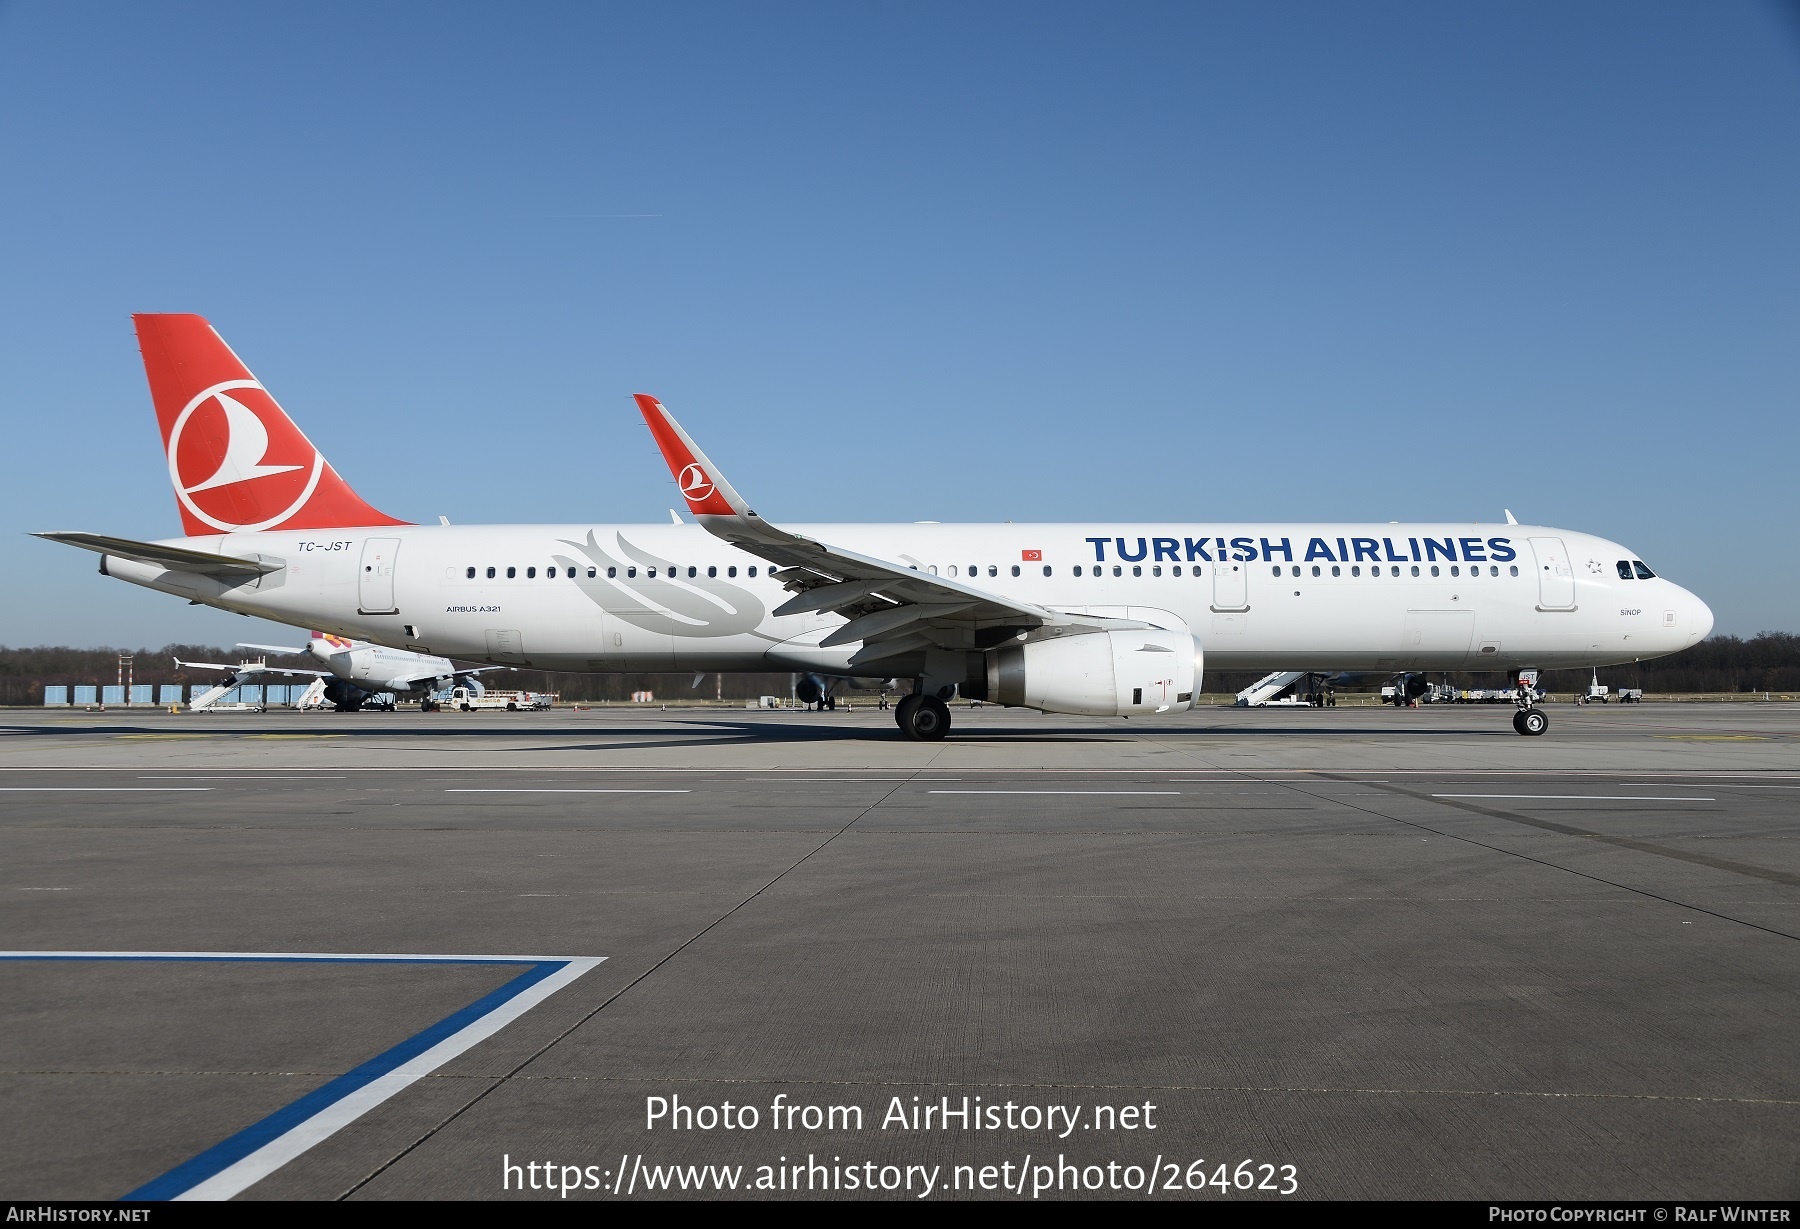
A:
(175, 558)
(247, 668)
(892, 608)
(267, 648)
(212, 665)
(421, 676)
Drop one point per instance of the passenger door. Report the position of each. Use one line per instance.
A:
(1556, 579)
(1230, 586)
(375, 583)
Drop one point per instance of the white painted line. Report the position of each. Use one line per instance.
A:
(315, 1127)
(105, 789)
(301, 957)
(1584, 797)
(321, 1126)
(567, 790)
(167, 777)
(1058, 793)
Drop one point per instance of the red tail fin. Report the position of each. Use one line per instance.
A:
(237, 461)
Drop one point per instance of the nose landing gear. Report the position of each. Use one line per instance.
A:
(1530, 720)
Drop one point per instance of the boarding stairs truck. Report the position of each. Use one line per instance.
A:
(213, 700)
(1265, 689)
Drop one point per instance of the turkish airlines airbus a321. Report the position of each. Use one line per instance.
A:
(1097, 619)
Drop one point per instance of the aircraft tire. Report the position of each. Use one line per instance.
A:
(1530, 722)
(927, 720)
(903, 712)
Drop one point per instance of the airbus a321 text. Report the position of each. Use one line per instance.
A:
(1100, 619)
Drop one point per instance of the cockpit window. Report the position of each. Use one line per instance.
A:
(1624, 569)
(1643, 573)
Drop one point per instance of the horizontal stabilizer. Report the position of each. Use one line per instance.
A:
(175, 558)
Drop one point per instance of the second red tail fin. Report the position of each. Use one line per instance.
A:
(237, 461)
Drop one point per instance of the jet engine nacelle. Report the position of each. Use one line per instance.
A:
(1099, 674)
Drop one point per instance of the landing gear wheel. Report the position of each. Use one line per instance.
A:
(1530, 721)
(923, 718)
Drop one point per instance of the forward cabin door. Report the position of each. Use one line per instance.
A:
(375, 583)
(1556, 579)
(1230, 586)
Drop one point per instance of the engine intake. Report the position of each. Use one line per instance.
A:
(1099, 674)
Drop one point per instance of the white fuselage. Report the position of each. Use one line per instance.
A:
(674, 597)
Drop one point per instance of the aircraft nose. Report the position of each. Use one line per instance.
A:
(1701, 619)
(1696, 618)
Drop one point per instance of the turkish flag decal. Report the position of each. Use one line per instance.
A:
(1031, 556)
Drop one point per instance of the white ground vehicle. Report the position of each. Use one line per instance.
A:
(468, 700)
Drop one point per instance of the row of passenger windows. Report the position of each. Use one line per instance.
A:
(512, 573)
(1627, 568)
(1175, 570)
(1455, 570)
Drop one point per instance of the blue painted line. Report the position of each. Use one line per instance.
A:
(191, 1173)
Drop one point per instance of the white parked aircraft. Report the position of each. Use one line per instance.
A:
(1099, 619)
(358, 669)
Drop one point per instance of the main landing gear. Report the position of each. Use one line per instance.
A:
(922, 718)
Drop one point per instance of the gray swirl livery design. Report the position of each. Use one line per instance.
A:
(1097, 619)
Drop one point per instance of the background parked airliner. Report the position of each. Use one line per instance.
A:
(1100, 619)
(360, 668)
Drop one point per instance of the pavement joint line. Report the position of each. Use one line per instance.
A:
(240, 1160)
(1564, 829)
(602, 1006)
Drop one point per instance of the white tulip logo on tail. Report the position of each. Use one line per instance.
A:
(232, 451)
(694, 483)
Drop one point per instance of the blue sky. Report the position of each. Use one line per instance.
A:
(910, 261)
